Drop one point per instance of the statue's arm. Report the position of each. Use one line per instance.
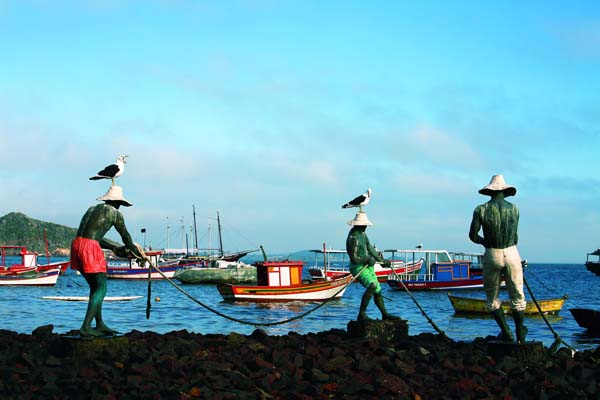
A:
(475, 227)
(352, 247)
(126, 237)
(374, 253)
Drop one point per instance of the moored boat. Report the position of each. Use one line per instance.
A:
(26, 261)
(592, 261)
(218, 271)
(441, 272)
(338, 269)
(587, 318)
(30, 278)
(281, 281)
(471, 305)
(131, 268)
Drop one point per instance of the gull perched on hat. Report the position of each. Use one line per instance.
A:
(497, 184)
(112, 171)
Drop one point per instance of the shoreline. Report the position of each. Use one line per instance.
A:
(330, 364)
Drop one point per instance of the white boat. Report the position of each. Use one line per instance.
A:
(86, 298)
(218, 271)
(30, 278)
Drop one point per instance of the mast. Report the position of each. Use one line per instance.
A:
(325, 261)
(195, 229)
(220, 237)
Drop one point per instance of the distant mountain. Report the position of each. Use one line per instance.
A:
(17, 229)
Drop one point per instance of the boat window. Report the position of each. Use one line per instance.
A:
(443, 257)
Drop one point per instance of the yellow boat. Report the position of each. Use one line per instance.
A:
(477, 306)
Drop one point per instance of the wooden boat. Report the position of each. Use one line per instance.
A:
(592, 261)
(86, 298)
(587, 318)
(281, 281)
(30, 278)
(218, 271)
(131, 268)
(23, 260)
(340, 268)
(471, 305)
(441, 272)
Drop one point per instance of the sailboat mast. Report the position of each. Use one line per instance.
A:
(220, 237)
(195, 229)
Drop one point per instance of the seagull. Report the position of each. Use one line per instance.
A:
(112, 171)
(359, 201)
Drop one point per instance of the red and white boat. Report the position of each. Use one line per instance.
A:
(18, 259)
(340, 268)
(131, 268)
(281, 281)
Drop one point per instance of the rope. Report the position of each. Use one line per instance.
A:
(557, 339)
(256, 323)
(441, 332)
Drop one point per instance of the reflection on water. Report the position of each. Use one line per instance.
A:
(22, 309)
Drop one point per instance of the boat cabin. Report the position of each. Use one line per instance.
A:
(448, 271)
(279, 273)
(26, 258)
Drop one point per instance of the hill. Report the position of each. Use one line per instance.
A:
(17, 229)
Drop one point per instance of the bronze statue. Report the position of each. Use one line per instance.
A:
(87, 256)
(499, 220)
(362, 254)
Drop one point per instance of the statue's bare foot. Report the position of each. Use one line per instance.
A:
(391, 317)
(363, 318)
(90, 332)
(105, 330)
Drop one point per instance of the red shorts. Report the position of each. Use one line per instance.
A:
(87, 256)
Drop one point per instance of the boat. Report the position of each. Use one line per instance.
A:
(281, 281)
(592, 261)
(18, 259)
(131, 268)
(337, 269)
(30, 277)
(218, 271)
(469, 305)
(441, 272)
(86, 298)
(587, 318)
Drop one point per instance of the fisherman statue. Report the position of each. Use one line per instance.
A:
(87, 256)
(499, 220)
(363, 257)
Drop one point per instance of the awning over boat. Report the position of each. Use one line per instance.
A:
(595, 253)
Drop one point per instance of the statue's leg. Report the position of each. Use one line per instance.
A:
(378, 299)
(364, 302)
(92, 308)
(101, 293)
(520, 328)
(505, 333)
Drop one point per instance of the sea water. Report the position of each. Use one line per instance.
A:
(22, 308)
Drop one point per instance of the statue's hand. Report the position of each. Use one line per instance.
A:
(386, 264)
(372, 261)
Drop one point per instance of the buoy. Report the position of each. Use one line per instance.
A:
(157, 299)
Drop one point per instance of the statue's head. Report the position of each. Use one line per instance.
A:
(115, 196)
(360, 220)
(497, 184)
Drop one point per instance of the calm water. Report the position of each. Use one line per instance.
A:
(22, 309)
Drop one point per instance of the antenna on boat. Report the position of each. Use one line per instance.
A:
(195, 228)
(220, 237)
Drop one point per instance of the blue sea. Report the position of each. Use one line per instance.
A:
(22, 309)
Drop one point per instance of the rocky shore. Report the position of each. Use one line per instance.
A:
(332, 364)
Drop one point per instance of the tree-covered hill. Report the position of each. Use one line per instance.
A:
(17, 229)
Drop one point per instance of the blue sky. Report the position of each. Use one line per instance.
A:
(275, 113)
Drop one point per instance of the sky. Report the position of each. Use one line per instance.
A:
(275, 113)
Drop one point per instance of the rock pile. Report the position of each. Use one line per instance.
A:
(183, 365)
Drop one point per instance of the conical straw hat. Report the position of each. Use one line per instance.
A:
(115, 193)
(360, 219)
(497, 184)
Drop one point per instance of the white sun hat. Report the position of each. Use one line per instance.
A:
(497, 184)
(115, 193)
(360, 219)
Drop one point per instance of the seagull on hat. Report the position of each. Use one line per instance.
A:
(112, 171)
(359, 201)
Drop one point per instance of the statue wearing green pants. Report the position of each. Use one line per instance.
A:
(363, 257)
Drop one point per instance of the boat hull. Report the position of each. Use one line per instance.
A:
(472, 283)
(470, 305)
(45, 278)
(319, 291)
(593, 266)
(140, 273)
(382, 273)
(586, 318)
